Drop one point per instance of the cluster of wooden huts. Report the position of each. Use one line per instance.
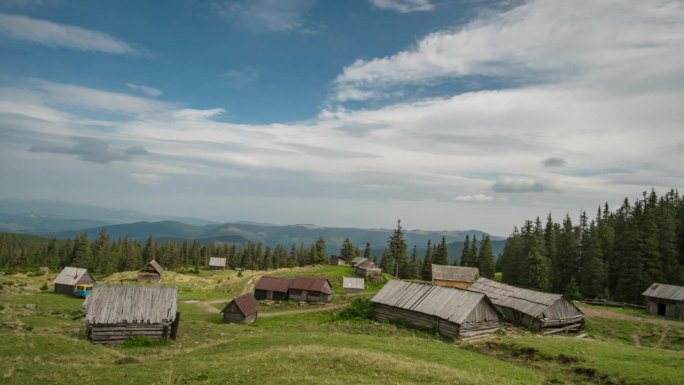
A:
(297, 289)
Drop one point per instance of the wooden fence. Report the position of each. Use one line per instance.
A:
(605, 302)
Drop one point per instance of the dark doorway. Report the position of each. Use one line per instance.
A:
(662, 309)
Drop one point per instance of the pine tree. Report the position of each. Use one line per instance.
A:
(465, 253)
(414, 265)
(348, 250)
(537, 269)
(441, 256)
(397, 252)
(426, 268)
(486, 262)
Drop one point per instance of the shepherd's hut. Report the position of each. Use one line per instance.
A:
(337, 260)
(454, 276)
(310, 290)
(242, 309)
(367, 268)
(151, 273)
(69, 277)
(451, 312)
(665, 300)
(353, 285)
(115, 313)
(534, 309)
(273, 288)
(216, 263)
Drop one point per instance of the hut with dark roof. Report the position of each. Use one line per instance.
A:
(534, 309)
(454, 276)
(337, 260)
(665, 300)
(216, 263)
(310, 289)
(69, 277)
(242, 309)
(451, 312)
(151, 273)
(115, 313)
(272, 288)
(353, 285)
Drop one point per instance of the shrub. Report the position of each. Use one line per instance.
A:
(44, 287)
(359, 308)
(127, 360)
(143, 341)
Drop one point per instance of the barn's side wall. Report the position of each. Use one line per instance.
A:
(119, 333)
(148, 277)
(674, 309)
(563, 313)
(261, 295)
(309, 296)
(64, 289)
(418, 320)
(448, 283)
(87, 278)
(354, 291)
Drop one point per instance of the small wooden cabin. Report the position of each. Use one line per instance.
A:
(242, 309)
(69, 277)
(272, 288)
(353, 285)
(216, 263)
(358, 260)
(336, 260)
(454, 276)
(151, 273)
(451, 312)
(534, 309)
(115, 313)
(367, 268)
(310, 290)
(665, 300)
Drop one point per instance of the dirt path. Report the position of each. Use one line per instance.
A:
(302, 311)
(663, 336)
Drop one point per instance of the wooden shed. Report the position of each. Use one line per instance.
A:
(665, 300)
(454, 276)
(353, 285)
(216, 263)
(115, 313)
(534, 309)
(358, 260)
(451, 312)
(272, 288)
(336, 260)
(310, 290)
(242, 309)
(69, 277)
(367, 268)
(151, 273)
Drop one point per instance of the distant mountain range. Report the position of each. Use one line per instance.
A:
(66, 220)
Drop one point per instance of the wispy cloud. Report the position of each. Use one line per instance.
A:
(147, 90)
(474, 198)
(61, 35)
(267, 15)
(91, 150)
(240, 78)
(30, 4)
(554, 162)
(522, 185)
(404, 6)
(149, 179)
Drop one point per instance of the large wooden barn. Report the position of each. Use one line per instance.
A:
(151, 273)
(242, 309)
(450, 312)
(310, 289)
(216, 263)
(534, 309)
(69, 277)
(272, 288)
(115, 313)
(454, 276)
(665, 300)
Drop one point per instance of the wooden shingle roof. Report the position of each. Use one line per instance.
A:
(455, 273)
(281, 285)
(247, 304)
(217, 262)
(118, 304)
(311, 284)
(70, 275)
(156, 266)
(353, 283)
(526, 301)
(663, 291)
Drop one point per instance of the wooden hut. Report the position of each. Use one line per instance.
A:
(336, 260)
(534, 309)
(151, 273)
(367, 268)
(451, 312)
(454, 276)
(665, 300)
(272, 288)
(358, 260)
(310, 290)
(69, 277)
(115, 313)
(353, 285)
(242, 309)
(216, 263)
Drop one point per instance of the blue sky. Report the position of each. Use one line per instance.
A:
(448, 114)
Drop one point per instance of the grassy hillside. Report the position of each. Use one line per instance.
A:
(45, 345)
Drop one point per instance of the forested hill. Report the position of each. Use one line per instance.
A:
(616, 254)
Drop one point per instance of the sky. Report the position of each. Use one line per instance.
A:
(448, 114)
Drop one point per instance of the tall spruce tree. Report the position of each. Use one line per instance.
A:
(486, 262)
(426, 267)
(397, 252)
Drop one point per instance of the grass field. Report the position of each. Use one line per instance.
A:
(45, 345)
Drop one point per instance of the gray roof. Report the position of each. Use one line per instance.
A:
(156, 266)
(358, 260)
(527, 301)
(70, 275)
(661, 290)
(455, 273)
(218, 262)
(353, 283)
(446, 303)
(116, 304)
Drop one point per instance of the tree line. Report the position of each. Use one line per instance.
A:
(616, 255)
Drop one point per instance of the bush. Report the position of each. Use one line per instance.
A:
(143, 341)
(44, 287)
(359, 308)
(127, 360)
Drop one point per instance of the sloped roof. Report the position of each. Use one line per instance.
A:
(353, 283)
(247, 304)
(524, 300)
(358, 260)
(70, 275)
(278, 284)
(661, 290)
(455, 273)
(156, 266)
(311, 284)
(116, 304)
(446, 303)
(218, 262)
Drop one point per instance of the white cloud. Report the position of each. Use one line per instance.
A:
(404, 6)
(522, 185)
(474, 198)
(61, 35)
(267, 15)
(141, 178)
(151, 91)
